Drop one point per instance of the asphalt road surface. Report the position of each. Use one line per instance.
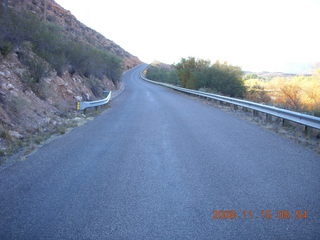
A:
(156, 165)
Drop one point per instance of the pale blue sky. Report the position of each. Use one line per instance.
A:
(272, 35)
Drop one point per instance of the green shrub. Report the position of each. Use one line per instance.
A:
(17, 104)
(36, 66)
(5, 48)
(40, 88)
(91, 61)
(223, 78)
(28, 80)
(96, 86)
(3, 132)
(52, 44)
(201, 74)
(43, 90)
(161, 74)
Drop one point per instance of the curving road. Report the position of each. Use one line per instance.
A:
(155, 166)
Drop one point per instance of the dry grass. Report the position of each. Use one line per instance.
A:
(299, 93)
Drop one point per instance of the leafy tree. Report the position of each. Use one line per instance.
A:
(222, 78)
(161, 74)
(186, 68)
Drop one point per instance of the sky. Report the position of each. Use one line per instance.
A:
(257, 35)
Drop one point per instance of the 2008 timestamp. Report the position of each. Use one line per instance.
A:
(264, 214)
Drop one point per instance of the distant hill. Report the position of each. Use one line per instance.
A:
(269, 75)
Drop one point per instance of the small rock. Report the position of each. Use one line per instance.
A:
(47, 120)
(7, 86)
(69, 91)
(77, 119)
(78, 98)
(15, 134)
(48, 80)
(76, 80)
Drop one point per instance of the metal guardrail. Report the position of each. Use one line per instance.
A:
(87, 104)
(300, 118)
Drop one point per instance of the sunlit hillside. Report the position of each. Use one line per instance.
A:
(301, 93)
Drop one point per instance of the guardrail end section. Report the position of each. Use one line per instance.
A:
(78, 106)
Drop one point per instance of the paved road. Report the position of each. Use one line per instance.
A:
(155, 166)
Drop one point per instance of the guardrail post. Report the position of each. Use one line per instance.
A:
(283, 122)
(235, 107)
(254, 113)
(268, 117)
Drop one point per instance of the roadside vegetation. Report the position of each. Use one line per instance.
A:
(297, 93)
(163, 73)
(51, 44)
(201, 74)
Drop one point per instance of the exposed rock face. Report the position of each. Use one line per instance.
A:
(58, 15)
(22, 110)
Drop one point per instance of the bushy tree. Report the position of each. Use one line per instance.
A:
(222, 78)
(167, 75)
(187, 68)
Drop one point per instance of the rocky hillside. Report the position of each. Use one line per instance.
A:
(48, 62)
(54, 13)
